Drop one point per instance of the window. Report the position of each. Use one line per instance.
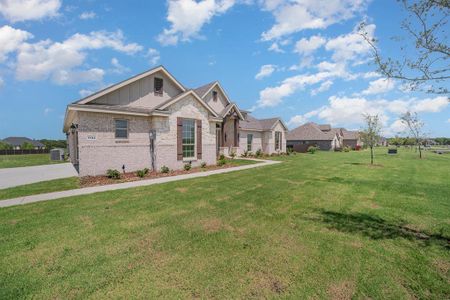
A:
(214, 94)
(188, 138)
(249, 142)
(277, 140)
(121, 128)
(158, 86)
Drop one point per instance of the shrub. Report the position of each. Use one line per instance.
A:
(141, 173)
(203, 165)
(187, 166)
(221, 162)
(113, 174)
(233, 155)
(165, 169)
(312, 149)
(347, 149)
(221, 157)
(245, 154)
(258, 153)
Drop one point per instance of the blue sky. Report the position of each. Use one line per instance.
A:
(302, 60)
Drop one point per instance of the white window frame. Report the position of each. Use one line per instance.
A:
(127, 129)
(251, 141)
(278, 147)
(195, 140)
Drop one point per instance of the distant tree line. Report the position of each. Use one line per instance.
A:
(408, 141)
(49, 144)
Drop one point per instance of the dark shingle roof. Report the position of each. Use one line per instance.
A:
(257, 124)
(18, 141)
(324, 127)
(310, 132)
(350, 135)
(204, 88)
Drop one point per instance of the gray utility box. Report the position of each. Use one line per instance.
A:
(57, 154)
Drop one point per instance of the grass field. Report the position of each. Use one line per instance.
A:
(26, 160)
(316, 226)
(40, 188)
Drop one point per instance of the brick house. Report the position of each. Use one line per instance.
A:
(151, 120)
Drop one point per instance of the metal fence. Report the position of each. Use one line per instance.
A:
(20, 152)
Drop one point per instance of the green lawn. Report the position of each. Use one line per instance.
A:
(26, 160)
(40, 188)
(316, 226)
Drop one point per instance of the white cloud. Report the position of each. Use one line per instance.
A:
(118, 68)
(397, 127)
(47, 110)
(379, 86)
(84, 92)
(294, 16)
(58, 60)
(2, 82)
(25, 10)
(297, 120)
(448, 121)
(434, 105)
(153, 56)
(324, 86)
(351, 46)
(265, 71)
(369, 75)
(87, 15)
(11, 39)
(275, 48)
(307, 46)
(187, 18)
(272, 96)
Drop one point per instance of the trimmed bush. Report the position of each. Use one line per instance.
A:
(113, 174)
(312, 149)
(165, 169)
(258, 153)
(187, 166)
(233, 155)
(203, 165)
(221, 157)
(221, 162)
(141, 173)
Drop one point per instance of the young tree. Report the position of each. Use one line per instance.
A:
(370, 135)
(5, 146)
(415, 126)
(27, 146)
(424, 52)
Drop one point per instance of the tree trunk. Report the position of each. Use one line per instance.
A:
(420, 152)
(371, 155)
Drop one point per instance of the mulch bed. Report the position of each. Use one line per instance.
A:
(88, 181)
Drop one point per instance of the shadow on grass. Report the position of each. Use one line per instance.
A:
(377, 228)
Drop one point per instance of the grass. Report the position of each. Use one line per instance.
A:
(25, 160)
(40, 188)
(321, 226)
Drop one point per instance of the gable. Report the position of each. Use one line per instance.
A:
(138, 90)
(169, 104)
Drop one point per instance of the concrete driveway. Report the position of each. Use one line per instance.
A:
(19, 176)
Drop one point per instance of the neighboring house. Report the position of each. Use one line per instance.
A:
(151, 120)
(17, 142)
(323, 136)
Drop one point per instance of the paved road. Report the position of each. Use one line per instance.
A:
(126, 185)
(10, 177)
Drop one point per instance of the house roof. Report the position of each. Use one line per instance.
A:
(324, 127)
(202, 90)
(310, 132)
(129, 81)
(227, 109)
(251, 123)
(350, 135)
(18, 141)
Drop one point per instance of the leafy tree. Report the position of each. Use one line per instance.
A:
(27, 146)
(51, 144)
(370, 135)
(424, 49)
(5, 146)
(415, 126)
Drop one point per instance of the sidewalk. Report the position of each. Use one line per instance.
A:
(126, 185)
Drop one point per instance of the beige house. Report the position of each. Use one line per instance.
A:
(151, 120)
(323, 136)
